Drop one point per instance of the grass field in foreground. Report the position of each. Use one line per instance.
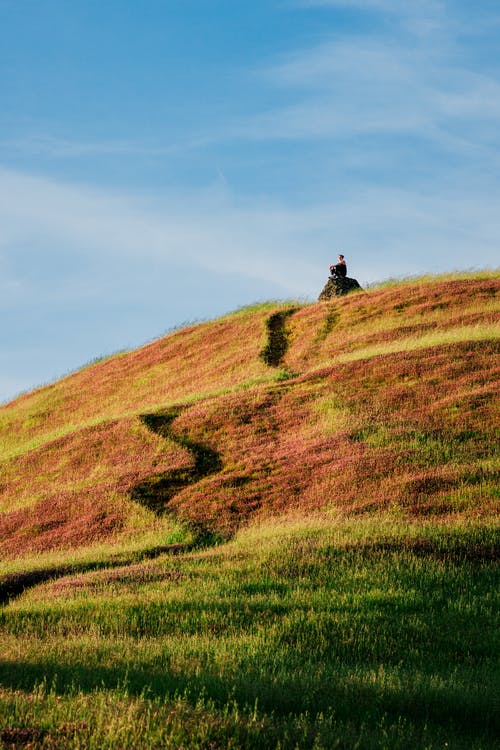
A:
(319, 633)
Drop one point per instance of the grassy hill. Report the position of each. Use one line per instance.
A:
(275, 529)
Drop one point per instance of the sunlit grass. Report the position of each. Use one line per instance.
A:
(472, 333)
(325, 632)
(396, 320)
(473, 273)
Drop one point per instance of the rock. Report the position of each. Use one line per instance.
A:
(337, 286)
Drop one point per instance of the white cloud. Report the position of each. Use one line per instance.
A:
(380, 5)
(355, 85)
(65, 148)
(413, 78)
(206, 230)
(426, 12)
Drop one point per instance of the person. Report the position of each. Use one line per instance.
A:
(339, 269)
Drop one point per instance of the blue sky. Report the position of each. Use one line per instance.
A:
(165, 161)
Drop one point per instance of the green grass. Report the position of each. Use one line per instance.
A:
(462, 275)
(316, 633)
(455, 335)
(134, 547)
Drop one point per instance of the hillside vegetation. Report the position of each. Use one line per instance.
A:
(275, 529)
(380, 400)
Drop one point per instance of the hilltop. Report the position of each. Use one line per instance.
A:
(383, 399)
(273, 531)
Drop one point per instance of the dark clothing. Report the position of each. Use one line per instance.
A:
(339, 269)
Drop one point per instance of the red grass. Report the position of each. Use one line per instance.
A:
(75, 482)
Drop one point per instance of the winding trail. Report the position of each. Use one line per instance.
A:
(156, 491)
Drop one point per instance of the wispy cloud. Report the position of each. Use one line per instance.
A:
(379, 85)
(64, 148)
(418, 15)
(386, 83)
(206, 229)
(415, 84)
(395, 6)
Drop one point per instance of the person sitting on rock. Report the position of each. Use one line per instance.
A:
(339, 270)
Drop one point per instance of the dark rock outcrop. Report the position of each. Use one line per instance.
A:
(337, 286)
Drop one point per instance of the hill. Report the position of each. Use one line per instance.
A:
(381, 400)
(278, 529)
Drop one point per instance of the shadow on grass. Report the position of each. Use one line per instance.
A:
(450, 551)
(335, 694)
(14, 584)
(277, 337)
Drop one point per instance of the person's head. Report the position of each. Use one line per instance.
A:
(341, 257)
